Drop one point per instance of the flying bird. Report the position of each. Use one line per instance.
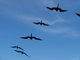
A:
(41, 23)
(18, 51)
(57, 8)
(31, 37)
(17, 47)
(77, 14)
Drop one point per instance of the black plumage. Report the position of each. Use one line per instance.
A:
(57, 9)
(41, 23)
(17, 47)
(31, 37)
(77, 14)
(18, 51)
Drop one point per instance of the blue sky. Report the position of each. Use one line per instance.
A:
(61, 40)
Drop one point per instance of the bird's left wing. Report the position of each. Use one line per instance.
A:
(45, 24)
(37, 38)
(20, 48)
(61, 10)
(26, 54)
(77, 14)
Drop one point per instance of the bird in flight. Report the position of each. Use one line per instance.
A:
(17, 47)
(31, 37)
(18, 51)
(41, 23)
(77, 14)
(57, 8)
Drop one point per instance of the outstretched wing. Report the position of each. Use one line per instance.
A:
(22, 52)
(53, 8)
(37, 38)
(17, 47)
(36, 22)
(17, 51)
(25, 37)
(49, 8)
(77, 14)
(25, 54)
(61, 10)
(20, 48)
(13, 46)
(45, 24)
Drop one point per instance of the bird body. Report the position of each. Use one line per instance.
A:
(57, 9)
(17, 47)
(41, 23)
(31, 37)
(18, 51)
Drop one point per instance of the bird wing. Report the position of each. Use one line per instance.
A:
(25, 37)
(14, 46)
(49, 8)
(22, 52)
(17, 51)
(36, 22)
(25, 54)
(53, 8)
(61, 10)
(45, 24)
(77, 14)
(37, 38)
(20, 48)
(17, 47)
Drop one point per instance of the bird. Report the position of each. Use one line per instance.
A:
(41, 23)
(18, 51)
(17, 47)
(57, 8)
(77, 14)
(30, 37)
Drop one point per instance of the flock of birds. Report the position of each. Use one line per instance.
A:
(21, 50)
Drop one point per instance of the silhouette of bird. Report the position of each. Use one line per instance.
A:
(41, 23)
(31, 37)
(18, 51)
(57, 9)
(77, 14)
(17, 47)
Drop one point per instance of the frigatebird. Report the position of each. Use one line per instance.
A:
(57, 8)
(31, 37)
(18, 51)
(77, 14)
(41, 23)
(17, 47)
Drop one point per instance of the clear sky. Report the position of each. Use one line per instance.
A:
(61, 40)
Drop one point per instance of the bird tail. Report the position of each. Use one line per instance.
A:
(58, 5)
